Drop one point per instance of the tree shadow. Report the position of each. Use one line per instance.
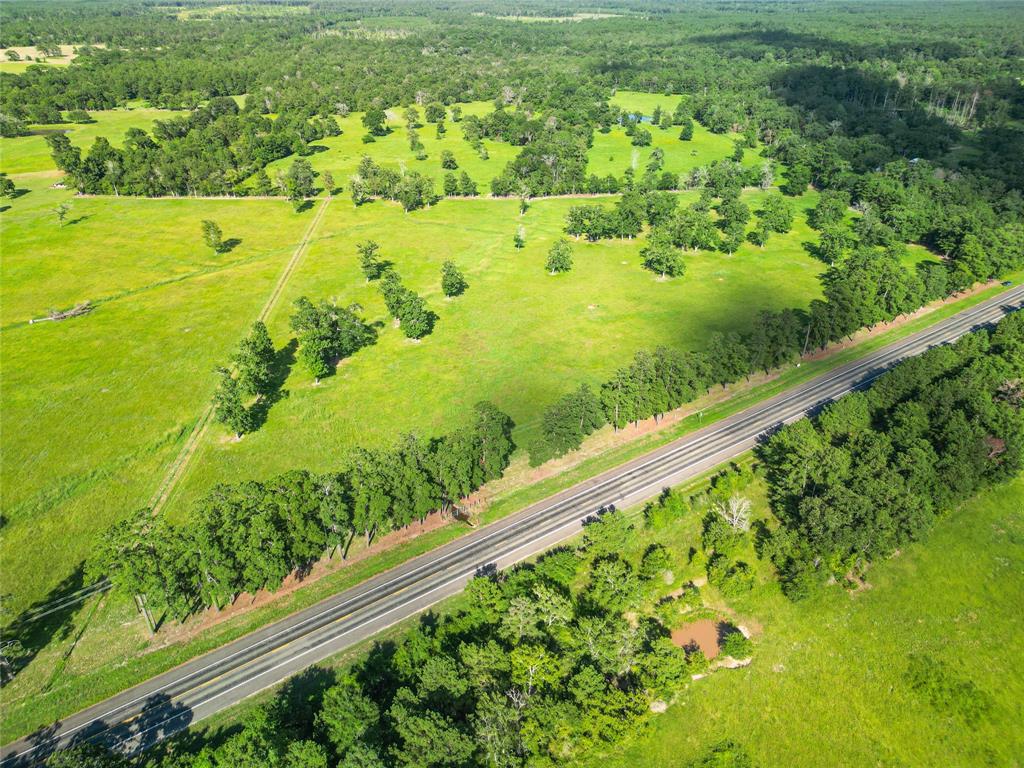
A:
(227, 246)
(376, 675)
(284, 359)
(158, 718)
(724, 629)
(301, 698)
(77, 220)
(814, 251)
(46, 621)
(304, 206)
(4, 208)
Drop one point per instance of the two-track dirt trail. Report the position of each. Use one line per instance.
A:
(178, 467)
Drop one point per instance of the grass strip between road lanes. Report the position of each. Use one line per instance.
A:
(93, 686)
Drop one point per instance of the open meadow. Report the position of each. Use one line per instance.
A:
(95, 407)
(168, 311)
(518, 336)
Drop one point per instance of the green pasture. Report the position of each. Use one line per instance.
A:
(828, 683)
(519, 336)
(613, 153)
(341, 154)
(31, 154)
(95, 407)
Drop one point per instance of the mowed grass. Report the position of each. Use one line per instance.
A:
(518, 337)
(828, 684)
(95, 407)
(613, 153)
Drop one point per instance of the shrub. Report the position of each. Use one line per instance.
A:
(737, 645)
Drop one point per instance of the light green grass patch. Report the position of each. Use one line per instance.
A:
(341, 154)
(31, 154)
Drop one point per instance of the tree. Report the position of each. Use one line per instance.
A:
(735, 510)
(212, 236)
(450, 185)
(298, 182)
(830, 209)
(368, 260)
(760, 234)
(374, 121)
(797, 180)
(327, 332)
(448, 161)
(62, 212)
(834, 243)
(559, 257)
(228, 407)
(254, 360)
(434, 113)
(519, 238)
(453, 283)
(416, 319)
(661, 256)
(467, 187)
(777, 214)
(305, 754)
(7, 188)
(85, 755)
(328, 179)
(686, 134)
(346, 714)
(361, 756)
(641, 137)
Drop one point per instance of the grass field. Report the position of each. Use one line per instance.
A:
(17, 67)
(110, 397)
(95, 406)
(31, 154)
(828, 676)
(611, 152)
(518, 336)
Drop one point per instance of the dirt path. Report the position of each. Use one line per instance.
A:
(181, 462)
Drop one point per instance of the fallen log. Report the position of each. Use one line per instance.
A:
(82, 308)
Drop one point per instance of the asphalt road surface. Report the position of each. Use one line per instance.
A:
(168, 703)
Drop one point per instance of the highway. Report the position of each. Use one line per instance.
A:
(168, 703)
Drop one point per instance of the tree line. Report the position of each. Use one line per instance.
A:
(544, 664)
(250, 535)
(869, 286)
(874, 470)
(213, 150)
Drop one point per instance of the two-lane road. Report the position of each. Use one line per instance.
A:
(197, 689)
